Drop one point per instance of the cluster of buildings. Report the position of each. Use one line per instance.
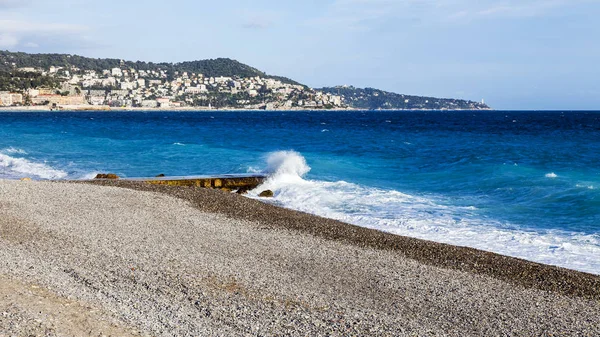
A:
(10, 98)
(128, 87)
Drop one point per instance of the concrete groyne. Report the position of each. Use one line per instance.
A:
(228, 182)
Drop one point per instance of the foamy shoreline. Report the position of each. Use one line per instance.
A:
(162, 261)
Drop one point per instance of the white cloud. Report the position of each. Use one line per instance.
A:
(255, 25)
(12, 32)
(14, 3)
(259, 19)
(529, 8)
(28, 27)
(354, 15)
(8, 41)
(364, 15)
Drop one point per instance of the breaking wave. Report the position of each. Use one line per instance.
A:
(15, 168)
(421, 217)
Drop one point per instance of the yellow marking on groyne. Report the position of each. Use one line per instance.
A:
(225, 182)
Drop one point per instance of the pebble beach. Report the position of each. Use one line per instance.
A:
(132, 259)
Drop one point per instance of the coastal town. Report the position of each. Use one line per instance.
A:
(72, 82)
(125, 87)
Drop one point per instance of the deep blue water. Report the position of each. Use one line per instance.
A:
(525, 184)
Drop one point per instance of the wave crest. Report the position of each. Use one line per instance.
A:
(14, 150)
(11, 167)
(284, 168)
(286, 163)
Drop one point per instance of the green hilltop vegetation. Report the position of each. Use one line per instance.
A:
(19, 81)
(210, 68)
(374, 99)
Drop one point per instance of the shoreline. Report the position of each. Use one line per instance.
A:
(93, 108)
(159, 260)
(514, 270)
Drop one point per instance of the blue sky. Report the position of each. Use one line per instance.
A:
(517, 54)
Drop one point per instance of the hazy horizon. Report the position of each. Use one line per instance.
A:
(529, 54)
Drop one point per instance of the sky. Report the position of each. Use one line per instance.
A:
(515, 54)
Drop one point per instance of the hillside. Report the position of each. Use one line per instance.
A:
(210, 68)
(373, 99)
(70, 80)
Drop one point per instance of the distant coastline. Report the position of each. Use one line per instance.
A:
(125, 109)
(60, 80)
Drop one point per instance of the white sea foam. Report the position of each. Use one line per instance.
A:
(88, 176)
(286, 163)
(254, 169)
(179, 144)
(421, 217)
(551, 175)
(11, 167)
(13, 150)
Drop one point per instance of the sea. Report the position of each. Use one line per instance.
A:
(519, 183)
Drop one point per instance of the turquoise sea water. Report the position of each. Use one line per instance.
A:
(525, 184)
